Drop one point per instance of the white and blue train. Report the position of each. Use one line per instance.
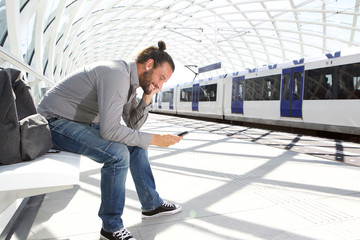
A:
(320, 93)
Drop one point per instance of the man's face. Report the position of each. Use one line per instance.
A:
(153, 79)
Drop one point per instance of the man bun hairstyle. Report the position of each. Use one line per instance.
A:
(158, 54)
(162, 45)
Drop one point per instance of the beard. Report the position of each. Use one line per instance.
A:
(145, 80)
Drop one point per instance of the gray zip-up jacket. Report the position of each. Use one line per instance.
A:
(104, 93)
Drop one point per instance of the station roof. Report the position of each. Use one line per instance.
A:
(60, 35)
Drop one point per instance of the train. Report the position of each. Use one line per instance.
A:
(319, 93)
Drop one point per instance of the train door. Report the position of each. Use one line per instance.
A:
(195, 97)
(292, 91)
(171, 100)
(237, 96)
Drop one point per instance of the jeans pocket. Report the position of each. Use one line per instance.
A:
(56, 123)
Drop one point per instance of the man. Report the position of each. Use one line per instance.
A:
(84, 113)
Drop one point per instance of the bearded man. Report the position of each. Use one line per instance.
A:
(85, 113)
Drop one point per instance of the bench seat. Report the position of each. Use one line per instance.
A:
(48, 173)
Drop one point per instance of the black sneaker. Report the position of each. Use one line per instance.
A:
(122, 234)
(165, 209)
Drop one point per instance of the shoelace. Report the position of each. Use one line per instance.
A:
(168, 205)
(123, 233)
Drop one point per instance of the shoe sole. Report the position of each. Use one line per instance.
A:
(104, 238)
(163, 213)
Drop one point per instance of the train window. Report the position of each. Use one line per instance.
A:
(167, 95)
(249, 89)
(241, 89)
(286, 87)
(319, 83)
(257, 88)
(156, 97)
(267, 90)
(349, 82)
(208, 93)
(333, 83)
(253, 89)
(272, 87)
(234, 87)
(186, 94)
(297, 86)
(263, 88)
(237, 90)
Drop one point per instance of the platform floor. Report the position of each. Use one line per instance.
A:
(229, 188)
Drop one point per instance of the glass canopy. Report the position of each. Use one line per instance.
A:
(58, 36)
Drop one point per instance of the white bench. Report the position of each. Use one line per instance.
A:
(48, 173)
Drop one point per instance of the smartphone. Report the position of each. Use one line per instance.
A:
(53, 151)
(182, 134)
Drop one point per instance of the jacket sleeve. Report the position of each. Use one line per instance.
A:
(135, 114)
(113, 90)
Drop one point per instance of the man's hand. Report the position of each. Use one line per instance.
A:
(147, 98)
(164, 140)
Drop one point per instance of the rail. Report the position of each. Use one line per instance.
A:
(36, 77)
(8, 57)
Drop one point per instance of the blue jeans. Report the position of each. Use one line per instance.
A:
(85, 139)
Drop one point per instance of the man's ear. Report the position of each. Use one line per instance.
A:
(149, 64)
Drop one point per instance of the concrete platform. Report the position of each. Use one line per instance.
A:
(229, 189)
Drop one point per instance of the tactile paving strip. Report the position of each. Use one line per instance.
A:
(331, 149)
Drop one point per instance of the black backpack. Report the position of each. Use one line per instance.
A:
(24, 133)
